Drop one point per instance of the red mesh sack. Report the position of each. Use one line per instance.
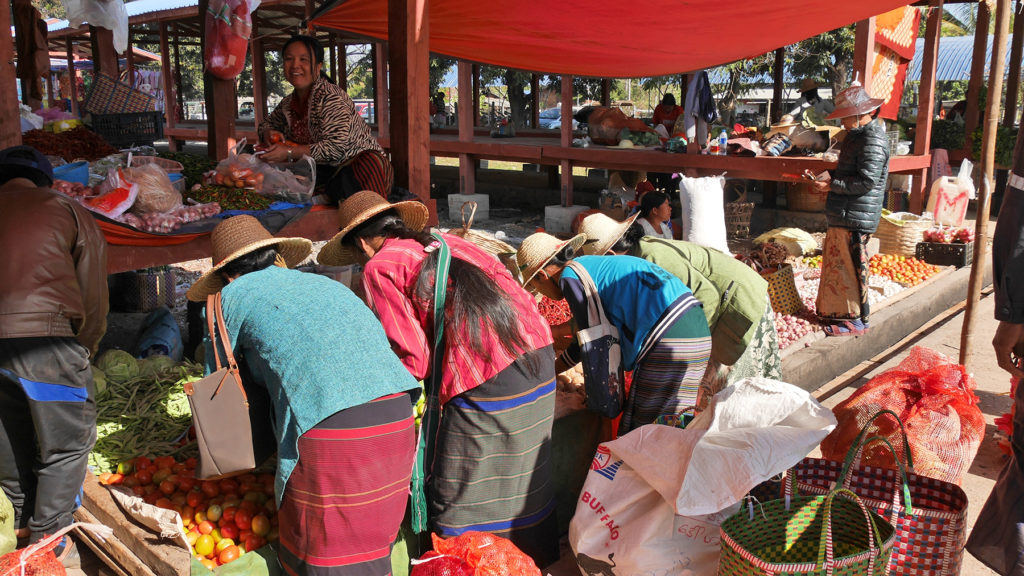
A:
(37, 561)
(934, 397)
(489, 555)
(433, 564)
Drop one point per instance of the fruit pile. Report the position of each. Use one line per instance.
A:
(906, 271)
(223, 519)
(812, 261)
(949, 235)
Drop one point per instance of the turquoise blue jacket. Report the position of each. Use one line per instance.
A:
(314, 345)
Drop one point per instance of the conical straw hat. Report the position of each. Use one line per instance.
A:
(359, 208)
(603, 232)
(538, 249)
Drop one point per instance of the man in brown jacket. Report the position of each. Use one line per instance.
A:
(53, 313)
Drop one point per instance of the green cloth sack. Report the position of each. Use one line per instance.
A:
(260, 562)
(8, 540)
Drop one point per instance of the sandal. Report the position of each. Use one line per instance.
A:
(846, 328)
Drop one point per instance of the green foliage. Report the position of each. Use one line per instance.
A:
(51, 8)
(827, 56)
(947, 134)
(1006, 139)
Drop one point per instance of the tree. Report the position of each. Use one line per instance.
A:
(828, 56)
(51, 8)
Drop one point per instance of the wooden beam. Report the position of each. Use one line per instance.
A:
(129, 62)
(864, 51)
(1016, 52)
(178, 88)
(104, 58)
(72, 77)
(10, 115)
(409, 62)
(566, 165)
(476, 94)
(926, 100)
(221, 107)
(170, 94)
(977, 78)
(606, 92)
(381, 108)
(467, 164)
(988, 159)
(259, 77)
(779, 82)
(534, 100)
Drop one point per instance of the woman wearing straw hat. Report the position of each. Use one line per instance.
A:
(663, 334)
(811, 104)
(853, 209)
(491, 466)
(734, 298)
(341, 409)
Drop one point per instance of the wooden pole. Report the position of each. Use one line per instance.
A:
(104, 58)
(129, 61)
(467, 164)
(864, 52)
(259, 76)
(382, 112)
(606, 92)
(926, 101)
(779, 79)
(988, 158)
(221, 105)
(10, 116)
(566, 166)
(72, 76)
(534, 100)
(977, 73)
(170, 94)
(1016, 52)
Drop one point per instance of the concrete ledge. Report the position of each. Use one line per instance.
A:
(824, 359)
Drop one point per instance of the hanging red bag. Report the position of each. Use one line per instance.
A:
(228, 28)
(934, 397)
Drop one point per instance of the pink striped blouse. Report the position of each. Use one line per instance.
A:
(389, 279)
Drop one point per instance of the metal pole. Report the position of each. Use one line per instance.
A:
(988, 157)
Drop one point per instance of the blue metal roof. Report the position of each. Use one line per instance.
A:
(954, 61)
(138, 8)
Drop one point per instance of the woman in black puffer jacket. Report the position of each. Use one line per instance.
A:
(853, 208)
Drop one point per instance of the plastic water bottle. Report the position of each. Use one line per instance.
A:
(723, 143)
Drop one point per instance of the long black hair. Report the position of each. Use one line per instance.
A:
(252, 262)
(316, 52)
(473, 299)
(628, 241)
(650, 201)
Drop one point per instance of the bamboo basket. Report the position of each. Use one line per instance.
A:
(501, 250)
(899, 232)
(738, 214)
(803, 197)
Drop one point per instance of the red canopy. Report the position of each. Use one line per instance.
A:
(637, 38)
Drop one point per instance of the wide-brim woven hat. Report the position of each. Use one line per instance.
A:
(359, 208)
(538, 249)
(236, 237)
(854, 101)
(603, 232)
(808, 84)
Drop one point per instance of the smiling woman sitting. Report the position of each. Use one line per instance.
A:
(319, 119)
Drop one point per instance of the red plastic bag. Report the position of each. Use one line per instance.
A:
(228, 28)
(434, 564)
(487, 554)
(934, 397)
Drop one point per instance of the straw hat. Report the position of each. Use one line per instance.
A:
(538, 249)
(785, 125)
(808, 84)
(603, 232)
(236, 237)
(854, 101)
(359, 208)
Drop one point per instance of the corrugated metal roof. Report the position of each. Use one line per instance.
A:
(137, 8)
(954, 61)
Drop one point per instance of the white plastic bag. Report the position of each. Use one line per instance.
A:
(109, 14)
(948, 197)
(703, 211)
(654, 499)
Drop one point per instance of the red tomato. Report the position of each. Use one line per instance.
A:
(138, 490)
(144, 476)
(260, 525)
(228, 514)
(255, 542)
(179, 499)
(205, 527)
(142, 462)
(194, 498)
(229, 530)
(228, 486)
(168, 487)
(210, 489)
(164, 503)
(164, 462)
(228, 554)
(243, 519)
(161, 474)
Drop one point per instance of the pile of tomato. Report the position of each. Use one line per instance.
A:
(906, 271)
(223, 518)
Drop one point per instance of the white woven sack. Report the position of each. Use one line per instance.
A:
(703, 211)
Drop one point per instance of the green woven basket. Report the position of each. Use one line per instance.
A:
(814, 535)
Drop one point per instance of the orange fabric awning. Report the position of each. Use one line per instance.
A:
(609, 39)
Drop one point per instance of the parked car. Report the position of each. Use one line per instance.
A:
(551, 119)
(246, 110)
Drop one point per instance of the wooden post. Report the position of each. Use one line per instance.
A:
(50, 100)
(170, 94)
(997, 68)
(178, 88)
(259, 76)
(382, 110)
(1016, 52)
(104, 58)
(977, 74)
(10, 115)
(221, 105)
(534, 100)
(409, 61)
(779, 79)
(864, 52)
(476, 94)
(72, 76)
(606, 92)
(566, 165)
(467, 164)
(926, 101)
(129, 61)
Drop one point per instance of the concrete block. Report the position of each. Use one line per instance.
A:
(558, 219)
(483, 206)
(597, 173)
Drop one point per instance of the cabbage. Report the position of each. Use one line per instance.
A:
(99, 380)
(157, 366)
(118, 366)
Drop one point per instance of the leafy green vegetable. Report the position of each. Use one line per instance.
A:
(99, 380)
(118, 366)
(154, 366)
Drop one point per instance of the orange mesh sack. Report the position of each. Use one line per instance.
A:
(489, 555)
(39, 559)
(934, 397)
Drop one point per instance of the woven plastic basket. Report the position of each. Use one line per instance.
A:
(739, 212)
(782, 292)
(899, 232)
